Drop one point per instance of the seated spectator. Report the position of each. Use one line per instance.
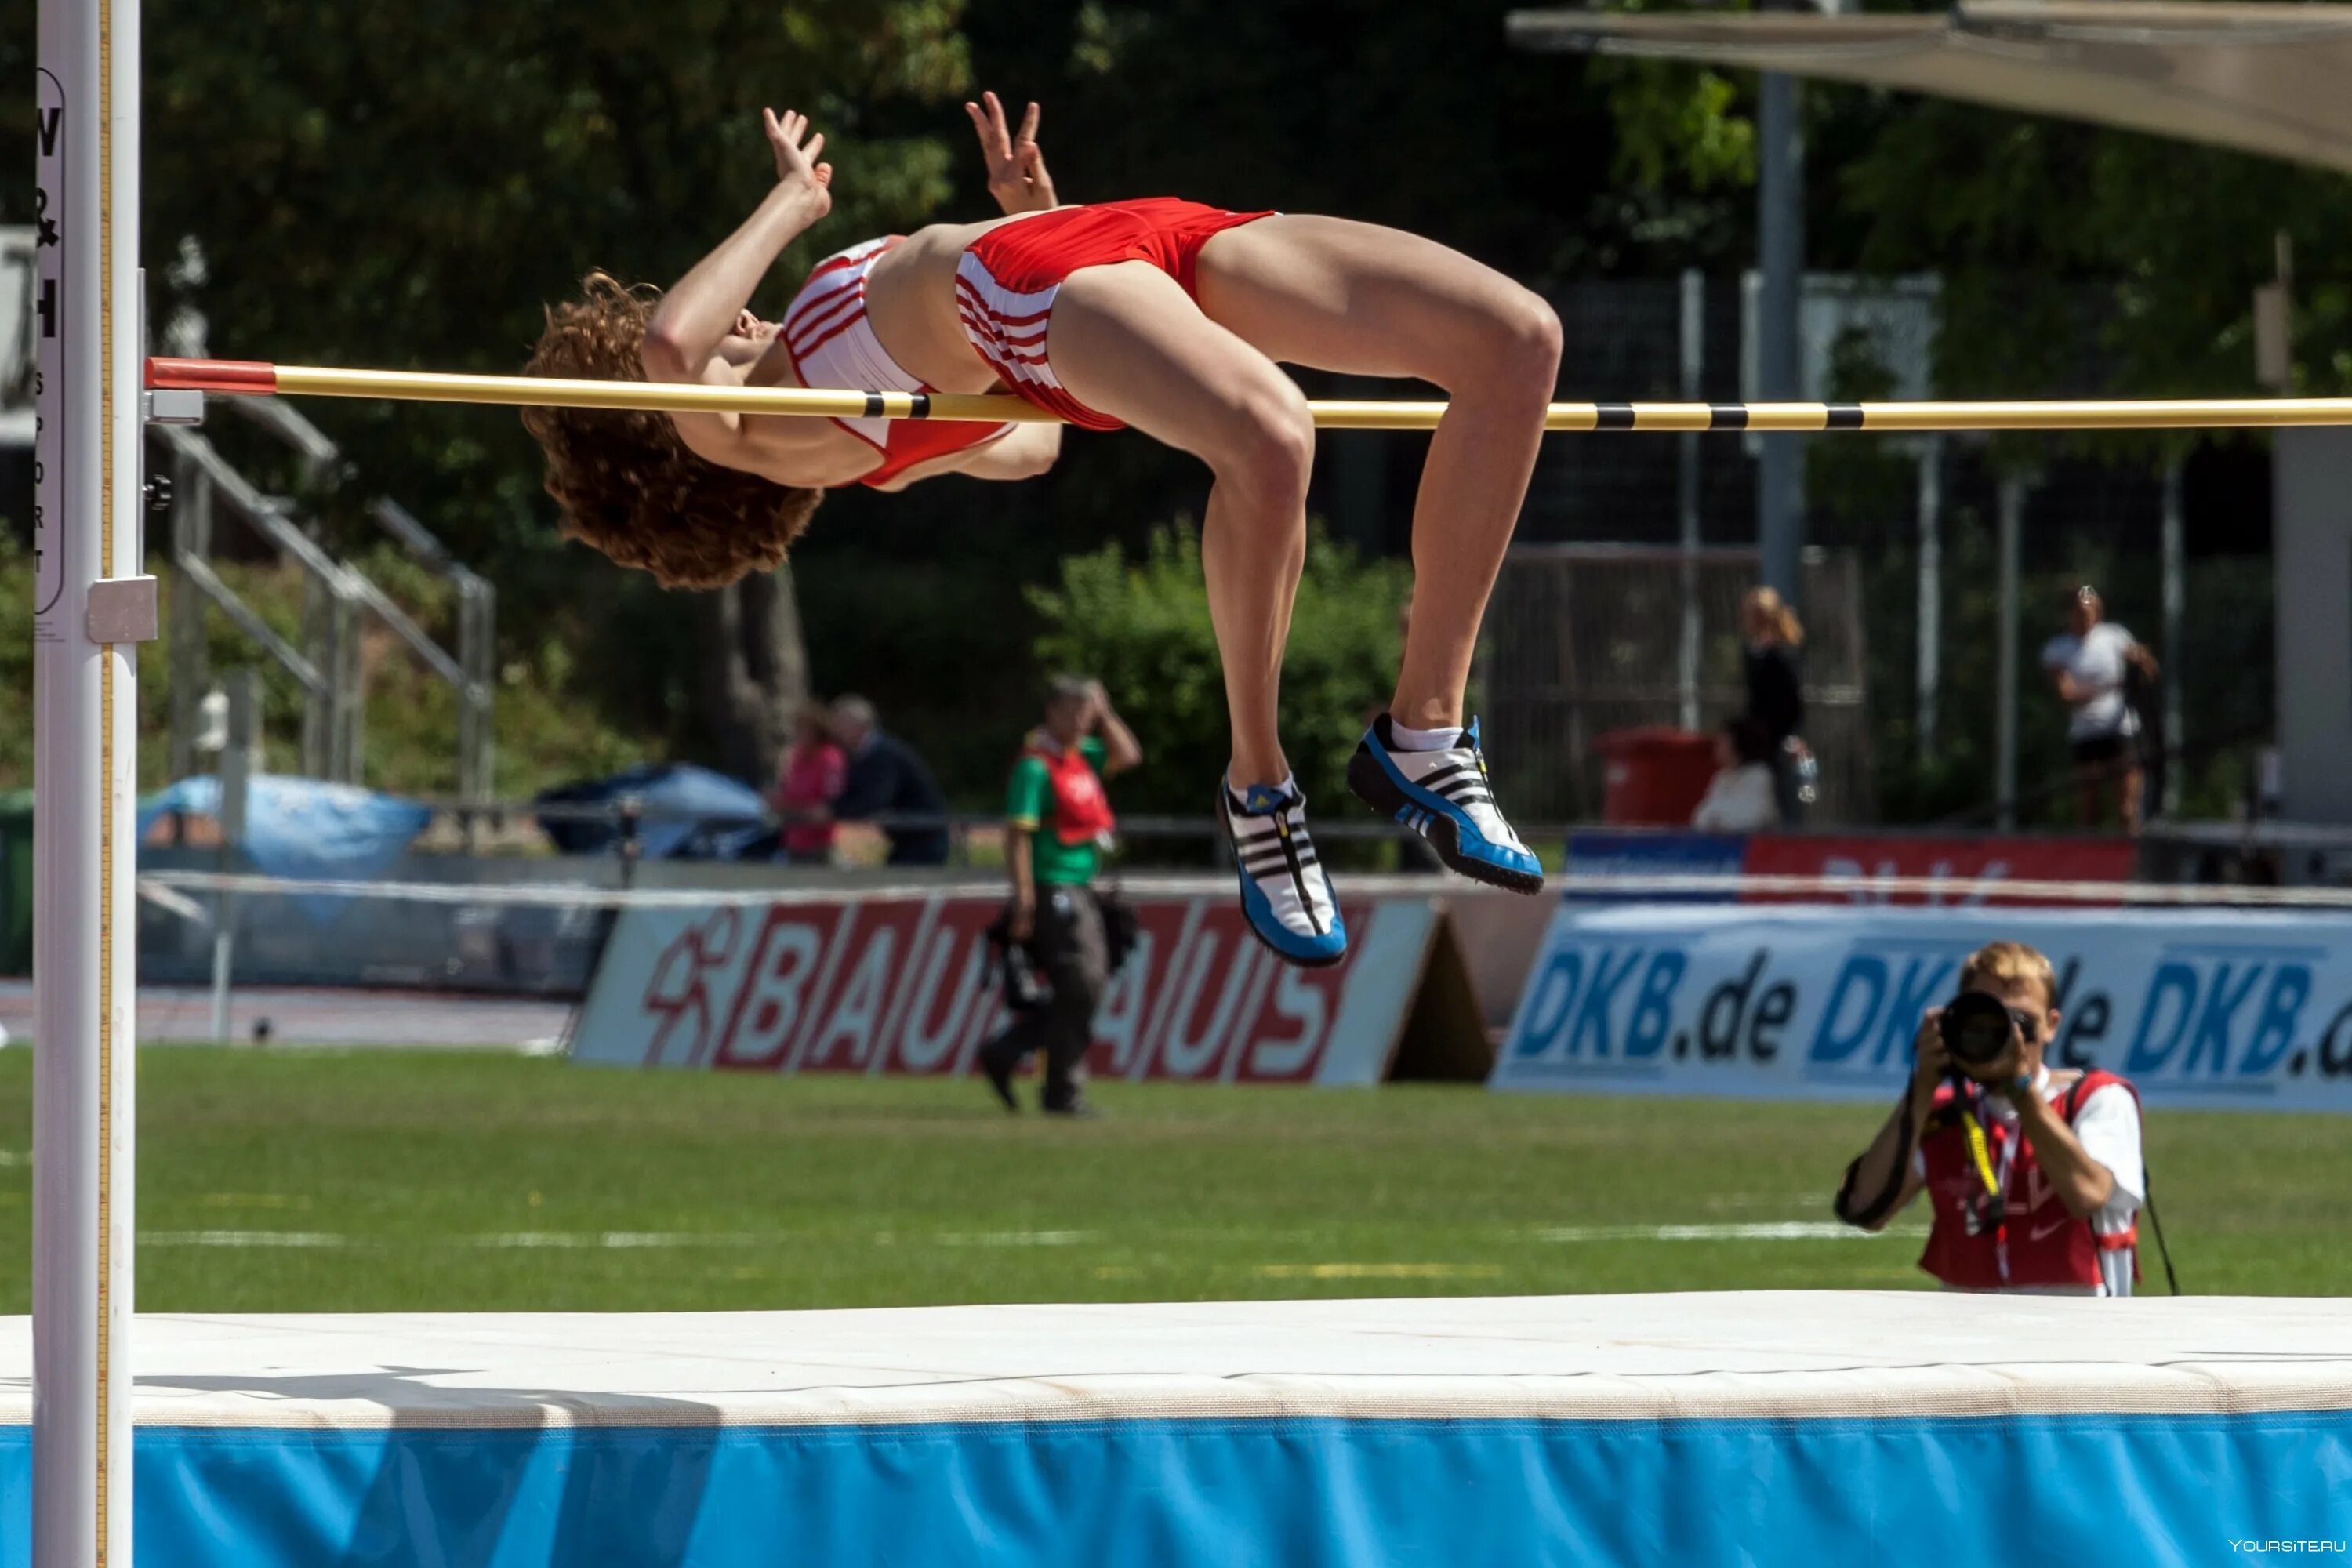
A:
(1741, 797)
(885, 779)
(808, 776)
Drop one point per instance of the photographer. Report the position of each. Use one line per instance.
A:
(2034, 1177)
(1056, 821)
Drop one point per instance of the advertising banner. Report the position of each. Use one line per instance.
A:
(1974, 867)
(1864, 865)
(907, 985)
(2243, 1011)
(1592, 853)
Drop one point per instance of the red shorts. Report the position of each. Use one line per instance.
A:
(1007, 278)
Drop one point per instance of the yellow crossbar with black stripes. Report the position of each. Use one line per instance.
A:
(240, 378)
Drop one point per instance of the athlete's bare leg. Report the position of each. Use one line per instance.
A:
(1127, 341)
(1367, 301)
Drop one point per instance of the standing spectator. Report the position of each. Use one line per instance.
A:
(808, 776)
(1742, 797)
(1056, 821)
(2090, 666)
(885, 778)
(1776, 691)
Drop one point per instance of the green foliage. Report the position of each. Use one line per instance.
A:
(1678, 125)
(2073, 258)
(548, 727)
(1141, 625)
(405, 185)
(2020, 216)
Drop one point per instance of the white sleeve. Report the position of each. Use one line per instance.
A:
(2107, 1126)
(1752, 805)
(1709, 817)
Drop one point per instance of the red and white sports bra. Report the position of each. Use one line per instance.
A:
(832, 345)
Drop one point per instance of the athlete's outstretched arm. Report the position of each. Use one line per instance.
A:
(1016, 164)
(694, 317)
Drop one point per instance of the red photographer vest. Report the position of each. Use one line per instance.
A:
(2038, 1242)
(1081, 810)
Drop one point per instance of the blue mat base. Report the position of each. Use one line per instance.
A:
(1773, 1429)
(2069, 1490)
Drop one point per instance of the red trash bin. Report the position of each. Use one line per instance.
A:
(1656, 775)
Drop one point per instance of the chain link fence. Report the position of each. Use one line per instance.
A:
(1585, 638)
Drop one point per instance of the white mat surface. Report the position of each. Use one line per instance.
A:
(1724, 1355)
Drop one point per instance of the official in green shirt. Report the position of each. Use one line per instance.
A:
(1029, 811)
(1058, 820)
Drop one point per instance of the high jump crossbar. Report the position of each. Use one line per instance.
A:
(254, 378)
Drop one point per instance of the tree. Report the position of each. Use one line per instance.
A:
(403, 186)
(1141, 625)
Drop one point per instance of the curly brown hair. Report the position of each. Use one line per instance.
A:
(625, 483)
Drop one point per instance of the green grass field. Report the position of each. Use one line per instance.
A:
(300, 1181)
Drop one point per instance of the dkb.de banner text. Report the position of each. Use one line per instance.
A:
(2227, 1009)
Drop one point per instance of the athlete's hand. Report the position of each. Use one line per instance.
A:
(1016, 166)
(797, 169)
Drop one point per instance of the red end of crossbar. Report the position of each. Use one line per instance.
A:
(223, 375)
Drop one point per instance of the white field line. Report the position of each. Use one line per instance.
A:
(1013, 1238)
(636, 1240)
(243, 1238)
(1381, 1271)
(589, 1241)
(1772, 1230)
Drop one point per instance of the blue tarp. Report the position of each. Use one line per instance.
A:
(303, 827)
(689, 814)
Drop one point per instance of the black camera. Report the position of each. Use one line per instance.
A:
(1975, 1027)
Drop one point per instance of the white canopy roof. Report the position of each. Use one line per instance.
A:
(2268, 78)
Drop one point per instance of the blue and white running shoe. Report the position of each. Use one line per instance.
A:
(1286, 896)
(1443, 795)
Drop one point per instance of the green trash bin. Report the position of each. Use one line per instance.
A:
(16, 881)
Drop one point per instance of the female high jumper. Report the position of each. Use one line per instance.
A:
(1160, 315)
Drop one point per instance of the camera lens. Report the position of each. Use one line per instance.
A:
(1975, 1028)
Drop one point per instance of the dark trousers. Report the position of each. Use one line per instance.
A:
(1068, 948)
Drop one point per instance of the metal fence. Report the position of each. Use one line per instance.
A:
(1585, 638)
(337, 596)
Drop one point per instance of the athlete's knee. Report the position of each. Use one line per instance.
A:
(1505, 345)
(1522, 341)
(1269, 451)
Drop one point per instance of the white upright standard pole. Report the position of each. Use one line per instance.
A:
(2013, 533)
(1686, 496)
(86, 517)
(1931, 591)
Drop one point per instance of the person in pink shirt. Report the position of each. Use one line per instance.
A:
(808, 776)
